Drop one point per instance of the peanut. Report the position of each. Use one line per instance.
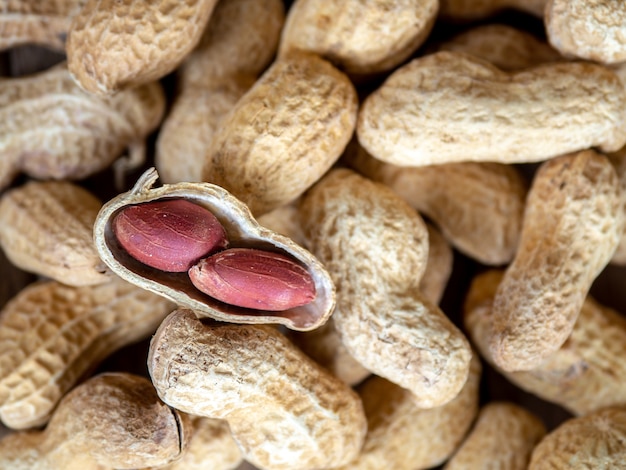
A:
(113, 420)
(120, 44)
(459, 197)
(51, 334)
(572, 224)
(341, 32)
(49, 128)
(286, 221)
(592, 441)
(438, 266)
(589, 29)
(283, 409)
(503, 437)
(171, 235)
(618, 160)
(375, 247)
(46, 228)
(452, 107)
(470, 10)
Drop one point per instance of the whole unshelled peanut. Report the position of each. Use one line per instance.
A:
(36, 22)
(453, 107)
(120, 44)
(459, 197)
(51, 335)
(503, 437)
(572, 224)
(471, 10)
(49, 128)
(46, 228)
(284, 133)
(283, 409)
(359, 37)
(587, 373)
(375, 247)
(113, 420)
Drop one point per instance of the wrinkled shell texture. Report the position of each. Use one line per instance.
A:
(342, 32)
(296, 120)
(283, 409)
(572, 224)
(459, 198)
(527, 116)
(502, 439)
(587, 373)
(588, 29)
(46, 228)
(375, 248)
(36, 22)
(505, 47)
(403, 436)
(118, 44)
(476, 9)
(49, 128)
(438, 266)
(592, 441)
(51, 334)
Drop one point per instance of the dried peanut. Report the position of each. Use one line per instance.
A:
(242, 230)
(587, 373)
(113, 420)
(589, 29)
(404, 437)
(284, 410)
(360, 37)
(592, 441)
(375, 247)
(572, 224)
(46, 228)
(469, 10)
(438, 266)
(284, 133)
(36, 22)
(119, 44)
(459, 197)
(49, 128)
(51, 334)
(503, 438)
(452, 107)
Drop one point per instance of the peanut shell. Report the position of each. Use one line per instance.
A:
(618, 160)
(242, 230)
(453, 107)
(284, 410)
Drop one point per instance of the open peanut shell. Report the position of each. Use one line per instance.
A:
(242, 231)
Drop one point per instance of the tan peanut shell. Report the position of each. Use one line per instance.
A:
(120, 44)
(284, 133)
(283, 409)
(503, 438)
(286, 221)
(506, 47)
(459, 198)
(588, 29)
(375, 247)
(242, 230)
(240, 40)
(113, 420)
(451, 107)
(572, 224)
(51, 335)
(47, 228)
(36, 22)
(49, 128)
(438, 266)
(587, 373)
(211, 446)
(470, 10)
(403, 436)
(360, 37)
(593, 441)
(618, 160)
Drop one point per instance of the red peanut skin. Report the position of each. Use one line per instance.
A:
(169, 235)
(257, 279)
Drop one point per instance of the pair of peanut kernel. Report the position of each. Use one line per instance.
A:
(175, 235)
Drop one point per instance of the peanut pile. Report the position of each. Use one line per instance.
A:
(312, 234)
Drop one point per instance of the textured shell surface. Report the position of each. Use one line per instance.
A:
(242, 230)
